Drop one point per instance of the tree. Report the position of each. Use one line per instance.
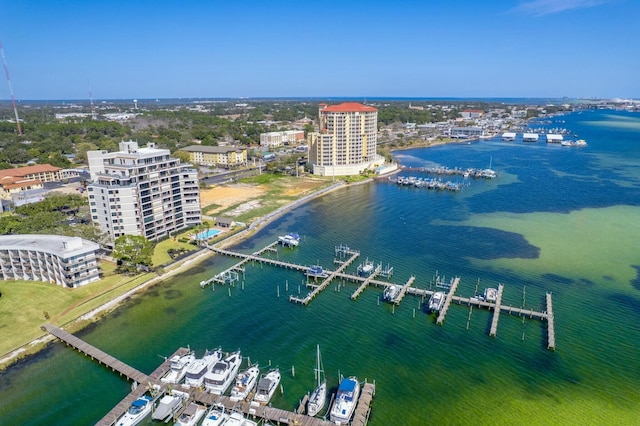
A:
(132, 251)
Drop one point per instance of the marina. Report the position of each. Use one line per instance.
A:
(491, 299)
(158, 390)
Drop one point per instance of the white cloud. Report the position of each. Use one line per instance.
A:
(547, 7)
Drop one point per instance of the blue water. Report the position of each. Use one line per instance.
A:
(556, 219)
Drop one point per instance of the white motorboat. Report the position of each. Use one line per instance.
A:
(179, 366)
(139, 409)
(216, 416)
(346, 400)
(200, 367)
(290, 240)
(436, 301)
(267, 387)
(237, 419)
(489, 295)
(191, 415)
(390, 293)
(217, 380)
(169, 405)
(319, 395)
(316, 271)
(245, 382)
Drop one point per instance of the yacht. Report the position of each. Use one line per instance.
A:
(245, 382)
(390, 293)
(436, 301)
(289, 240)
(366, 268)
(319, 395)
(216, 416)
(191, 415)
(217, 380)
(267, 387)
(138, 410)
(345, 402)
(169, 405)
(179, 366)
(489, 295)
(316, 271)
(200, 367)
(237, 419)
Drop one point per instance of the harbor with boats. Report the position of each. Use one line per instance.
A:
(186, 405)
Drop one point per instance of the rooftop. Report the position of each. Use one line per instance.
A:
(58, 245)
(349, 107)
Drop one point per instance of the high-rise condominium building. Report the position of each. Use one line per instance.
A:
(346, 141)
(142, 191)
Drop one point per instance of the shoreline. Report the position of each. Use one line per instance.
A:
(24, 352)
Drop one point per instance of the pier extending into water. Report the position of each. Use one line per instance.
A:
(363, 282)
(151, 383)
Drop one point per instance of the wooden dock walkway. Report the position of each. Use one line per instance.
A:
(365, 284)
(551, 333)
(447, 301)
(496, 312)
(363, 409)
(325, 283)
(404, 289)
(95, 353)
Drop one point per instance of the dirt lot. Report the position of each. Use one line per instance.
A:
(229, 195)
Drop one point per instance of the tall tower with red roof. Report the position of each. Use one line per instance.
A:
(346, 141)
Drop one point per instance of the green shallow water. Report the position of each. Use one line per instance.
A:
(555, 220)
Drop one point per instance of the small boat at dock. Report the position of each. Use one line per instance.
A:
(191, 415)
(267, 387)
(179, 366)
(245, 382)
(216, 416)
(346, 400)
(139, 409)
(390, 293)
(217, 381)
(289, 240)
(169, 405)
(436, 301)
(489, 295)
(319, 395)
(316, 271)
(238, 419)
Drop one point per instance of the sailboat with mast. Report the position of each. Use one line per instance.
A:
(319, 395)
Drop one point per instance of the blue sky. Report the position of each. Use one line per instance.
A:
(427, 48)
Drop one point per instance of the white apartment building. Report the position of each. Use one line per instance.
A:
(286, 137)
(142, 191)
(346, 141)
(66, 261)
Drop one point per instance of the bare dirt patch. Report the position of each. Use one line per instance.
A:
(229, 195)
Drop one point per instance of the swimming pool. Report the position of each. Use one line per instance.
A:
(209, 233)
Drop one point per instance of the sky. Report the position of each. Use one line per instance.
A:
(146, 49)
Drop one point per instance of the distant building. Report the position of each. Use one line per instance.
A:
(286, 137)
(15, 181)
(66, 261)
(471, 113)
(466, 132)
(142, 191)
(219, 156)
(346, 141)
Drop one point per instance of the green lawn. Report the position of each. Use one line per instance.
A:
(25, 305)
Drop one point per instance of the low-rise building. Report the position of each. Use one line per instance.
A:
(286, 137)
(66, 261)
(219, 156)
(14, 181)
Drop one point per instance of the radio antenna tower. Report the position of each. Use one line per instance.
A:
(13, 99)
(93, 108)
